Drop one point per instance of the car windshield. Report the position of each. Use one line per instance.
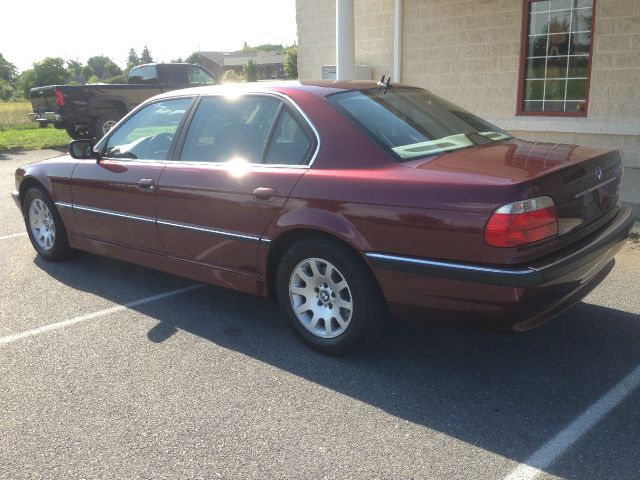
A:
(411, 123)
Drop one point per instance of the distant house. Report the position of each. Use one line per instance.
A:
(270, 64)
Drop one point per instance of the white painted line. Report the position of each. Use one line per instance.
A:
(13, 235)
(554, 448)
(100, 313)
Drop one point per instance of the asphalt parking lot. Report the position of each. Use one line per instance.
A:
(109, 370)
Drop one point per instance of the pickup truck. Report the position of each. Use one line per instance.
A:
(89, 111)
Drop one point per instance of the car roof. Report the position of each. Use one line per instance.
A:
(320, 88)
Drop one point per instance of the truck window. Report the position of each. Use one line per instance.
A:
(173, 74)
(144, 74)
(198, 75)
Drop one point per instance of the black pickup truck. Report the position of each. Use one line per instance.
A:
(89, 111)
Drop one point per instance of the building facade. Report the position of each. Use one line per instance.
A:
(270, 64)
(565, 71)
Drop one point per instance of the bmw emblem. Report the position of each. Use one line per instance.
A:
(598, 174)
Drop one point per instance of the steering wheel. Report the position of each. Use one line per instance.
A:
(158, 144)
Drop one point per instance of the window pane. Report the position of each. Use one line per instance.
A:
(580, 43)
(575, 107)
(540, 6)
(537, 46)
(554, 90)
(581, 20)
(557, 67)
(536, 67)
(149, 133)
(289, 143)
(560, 4)
(224, 129)
(539, 24)
(578, 66)
(576, 89)
(554, 106)
(560, 22)
(534, 90)
(533, 106)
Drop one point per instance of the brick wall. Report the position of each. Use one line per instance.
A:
(316, 21)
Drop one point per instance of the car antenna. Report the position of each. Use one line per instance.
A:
(384, 86)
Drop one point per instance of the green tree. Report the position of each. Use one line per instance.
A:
(50, 71)
(251, 71)
(74, 68)
(26, 81)
(146, 57)
(132, 59)
(231, 76)
(291, 61)
(7, 91)
(8, 71)
(193, 58)
(101, 67)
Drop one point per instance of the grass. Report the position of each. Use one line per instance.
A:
(13, 116)
(17, 132)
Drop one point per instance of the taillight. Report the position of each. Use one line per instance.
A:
(523, 222)
(59, 98)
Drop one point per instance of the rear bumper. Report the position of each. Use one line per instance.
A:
(517, 298)
(529, 276)
(47, 117)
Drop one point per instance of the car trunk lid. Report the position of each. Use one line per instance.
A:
(43, 99)
(583, 182)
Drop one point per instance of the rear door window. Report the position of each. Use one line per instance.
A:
(225, 129)
(290, 144)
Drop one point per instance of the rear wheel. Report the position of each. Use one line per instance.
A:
(330, 299)
(104, 123)
(44, 225)
(78, 133)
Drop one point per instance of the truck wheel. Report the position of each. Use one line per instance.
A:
(78, 133)
(105, 123)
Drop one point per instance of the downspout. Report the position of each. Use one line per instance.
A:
(397, 40)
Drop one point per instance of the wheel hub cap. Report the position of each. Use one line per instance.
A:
(321, 298)
(41, 224)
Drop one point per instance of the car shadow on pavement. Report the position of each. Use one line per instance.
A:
(507, 394)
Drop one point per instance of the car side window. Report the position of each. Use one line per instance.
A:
(225, 129)
(290, 143)
(148, 134)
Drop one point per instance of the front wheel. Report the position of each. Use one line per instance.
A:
(44, 225)
(330, 299)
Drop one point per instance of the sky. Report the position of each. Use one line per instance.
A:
(79, 30)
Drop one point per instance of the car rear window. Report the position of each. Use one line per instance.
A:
(412, 123)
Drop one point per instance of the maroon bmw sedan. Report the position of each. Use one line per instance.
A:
(348, 202)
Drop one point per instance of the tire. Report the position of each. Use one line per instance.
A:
(78, 133)
(104, 123)
(332, 282)
(44, 226)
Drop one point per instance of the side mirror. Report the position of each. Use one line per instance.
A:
(82, 150)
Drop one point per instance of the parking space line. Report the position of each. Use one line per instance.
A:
(100, 313)
(13, 235)
(554, 448)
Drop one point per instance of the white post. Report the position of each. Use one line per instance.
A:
(397, 41)
(345, 40)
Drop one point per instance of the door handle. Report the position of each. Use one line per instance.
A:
(146, 184)
(265, 194)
